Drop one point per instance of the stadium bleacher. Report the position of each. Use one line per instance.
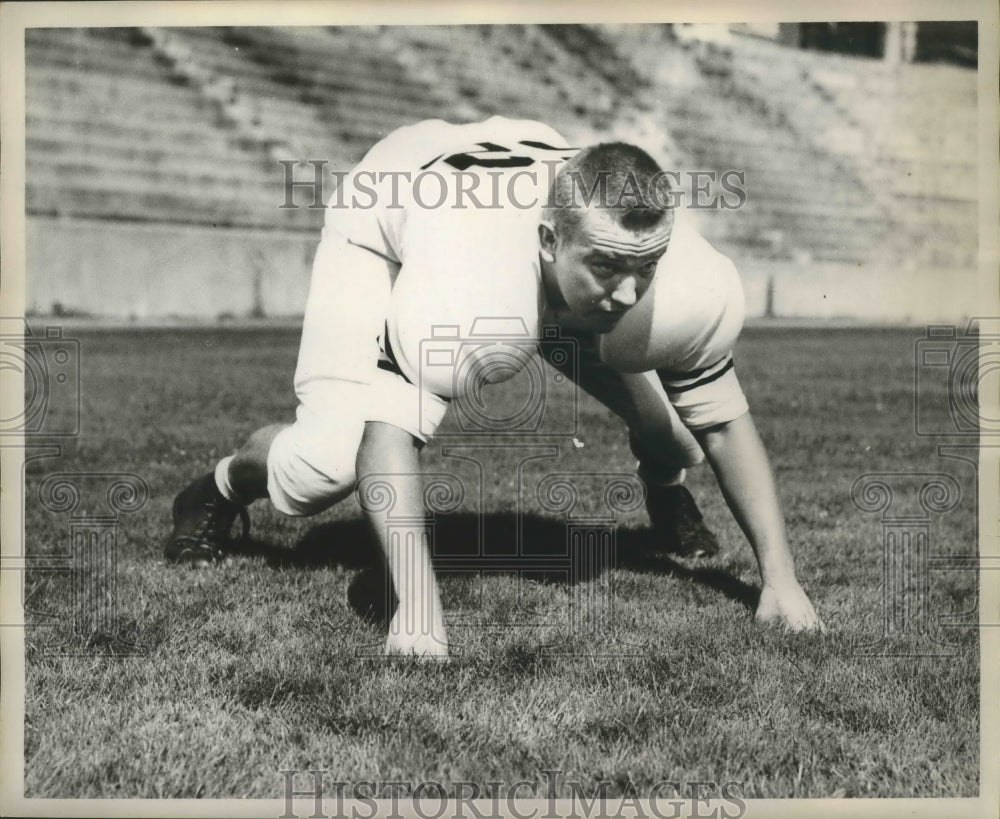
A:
(847, 160)
(113, 133)
(905, 133)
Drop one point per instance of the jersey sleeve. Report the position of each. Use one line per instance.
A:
(702, 384)
(368, 206)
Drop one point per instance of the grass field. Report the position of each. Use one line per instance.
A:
(253, 668)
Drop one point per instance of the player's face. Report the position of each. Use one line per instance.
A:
(601, 270)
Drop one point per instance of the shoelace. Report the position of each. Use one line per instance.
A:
(214, 526)
(687, 510)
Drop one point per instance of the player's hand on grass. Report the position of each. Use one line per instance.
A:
(413, 640)
(788, 606)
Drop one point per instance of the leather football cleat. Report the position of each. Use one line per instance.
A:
(203, 519)
(678, 523)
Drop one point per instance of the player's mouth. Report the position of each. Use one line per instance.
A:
(608, 317)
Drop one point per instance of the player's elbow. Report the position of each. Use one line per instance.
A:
(715, 435)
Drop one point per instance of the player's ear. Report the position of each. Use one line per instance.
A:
(547, 240)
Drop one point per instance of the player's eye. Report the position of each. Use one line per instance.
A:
(647, 270)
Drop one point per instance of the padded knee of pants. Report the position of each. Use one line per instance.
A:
(309, 469)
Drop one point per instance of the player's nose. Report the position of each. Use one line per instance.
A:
(625, 294)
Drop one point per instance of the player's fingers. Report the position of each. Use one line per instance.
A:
(800, 616)
(419, 647)
(816, 622)
(813, 622)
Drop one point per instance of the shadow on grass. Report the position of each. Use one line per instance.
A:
(465, 543)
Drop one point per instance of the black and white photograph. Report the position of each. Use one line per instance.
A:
(505, 410)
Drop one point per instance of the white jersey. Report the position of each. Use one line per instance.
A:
(458, 208)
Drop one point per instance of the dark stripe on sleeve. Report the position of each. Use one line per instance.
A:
(664, 378)
(673, 375)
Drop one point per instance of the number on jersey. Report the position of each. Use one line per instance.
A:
(498, 156)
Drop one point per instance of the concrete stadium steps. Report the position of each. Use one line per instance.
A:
(800, 199)
(221, 172)
(345, 56)
(510, 71)
(597, 54)
(546, 60)
(342, 67)
(170, 116)
(118, 52)
(129, 155)
(913, 81)
(180, 138)
(920, 126)
(281, 113)
(165, 112)
(824, 186)
(58, 138)
(781, 167)
(847, 242)
(161, 122)
(935, 179)
(908, 130)
(114, 130)
(155, 183)
(259, 106)
(945, 218)
(154, 202)
(148, 91)
(552, 63)
(111, 133)
(328, 90)
(465, 63)
(110, 172)
(253, 58)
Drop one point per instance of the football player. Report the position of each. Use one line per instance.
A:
(441, 225)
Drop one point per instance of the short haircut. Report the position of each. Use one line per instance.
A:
(620, 178)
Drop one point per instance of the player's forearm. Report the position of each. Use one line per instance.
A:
(741, 465)
(389, 461)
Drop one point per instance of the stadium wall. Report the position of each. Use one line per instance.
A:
(140, 271)
(124, 270)
(869, 293)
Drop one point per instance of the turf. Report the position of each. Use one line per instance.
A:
(211, 683)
